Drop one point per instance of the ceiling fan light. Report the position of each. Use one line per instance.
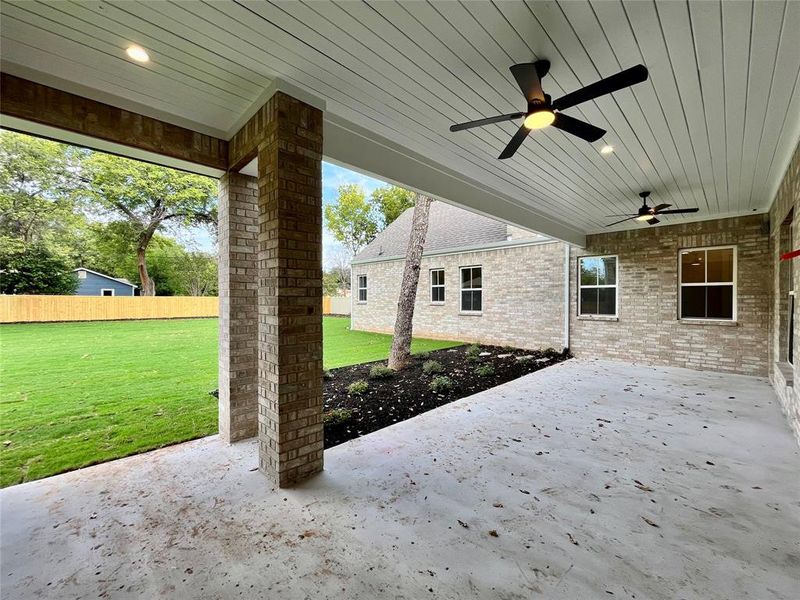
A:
(539, 119)
(645, 217)
(606, 149)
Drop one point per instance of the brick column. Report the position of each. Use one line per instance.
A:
(290, 426)
(238, 307)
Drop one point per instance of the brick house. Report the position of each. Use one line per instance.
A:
(692, 295)
(470, 287)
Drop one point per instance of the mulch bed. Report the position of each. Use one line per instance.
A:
(407, 393)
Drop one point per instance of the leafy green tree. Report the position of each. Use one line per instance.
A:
(351, 220)
(37, 179)
(30, 268)
(330, 284)
(391, 201)
(196, 274)
(149, 198)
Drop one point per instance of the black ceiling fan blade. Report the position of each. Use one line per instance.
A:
(605, 86)
(621, 221)
(582, 129)
(653, 221)
(661, 207)
(486, 121)
(515, 142)
(678, 211)
(528, 76)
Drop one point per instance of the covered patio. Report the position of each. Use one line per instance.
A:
(586, 479)
(637, 478)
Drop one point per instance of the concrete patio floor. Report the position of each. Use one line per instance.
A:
(527, 490)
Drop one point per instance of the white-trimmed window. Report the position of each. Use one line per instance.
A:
(362, 288)
(107, 292)
(707, 282)
(471, 290)
(437, 286)
(597, 286)
(81, 274)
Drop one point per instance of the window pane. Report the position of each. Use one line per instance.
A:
(437, 294)
(362, 295)
(607, 301)
(465, 278)
(719, 300)
(588, 301)
(692, 266)
(437, 277)
(588, 267)
(607, 271)
(466, 301)
(477, 300)
(476, 277)
(720, 264)
(693, 302)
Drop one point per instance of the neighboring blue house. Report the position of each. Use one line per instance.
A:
(92, 283)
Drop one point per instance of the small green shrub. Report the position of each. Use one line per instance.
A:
(441, 384)
(432, 366)
(357, 387)
(336, 415)
(424, 355)
(473, 350)
(484, 370)
(381, 372)
(327, 375)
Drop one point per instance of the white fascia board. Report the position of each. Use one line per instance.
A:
(355, 147)
(461, 250)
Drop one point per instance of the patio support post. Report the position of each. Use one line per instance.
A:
(238, 307)
(290, 428)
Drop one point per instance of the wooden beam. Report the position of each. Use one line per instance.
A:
(42, 104)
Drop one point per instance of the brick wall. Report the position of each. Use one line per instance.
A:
(648, 328)
(784, 276)
(238, 307)
(523, 297)
(290, 290)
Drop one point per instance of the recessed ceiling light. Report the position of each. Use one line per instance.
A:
(137, 53)
(606, 149)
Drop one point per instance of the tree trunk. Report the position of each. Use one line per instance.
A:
(148, 285)
(401, 343)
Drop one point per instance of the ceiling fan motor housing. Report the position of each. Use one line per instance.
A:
(536, 104)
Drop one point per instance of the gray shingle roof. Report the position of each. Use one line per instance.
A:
(449, 227)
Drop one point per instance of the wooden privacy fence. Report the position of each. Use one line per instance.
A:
(43, 309)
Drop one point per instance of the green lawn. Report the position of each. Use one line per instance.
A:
(74, 394)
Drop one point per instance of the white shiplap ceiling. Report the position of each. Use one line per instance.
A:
(714, 126)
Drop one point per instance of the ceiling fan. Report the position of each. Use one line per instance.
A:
(542, 112)
(648, 214)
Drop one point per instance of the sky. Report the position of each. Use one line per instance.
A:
(200, 238)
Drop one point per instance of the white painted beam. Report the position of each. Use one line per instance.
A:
(357, 148)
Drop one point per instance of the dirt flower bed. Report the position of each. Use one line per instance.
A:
(362, 399)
